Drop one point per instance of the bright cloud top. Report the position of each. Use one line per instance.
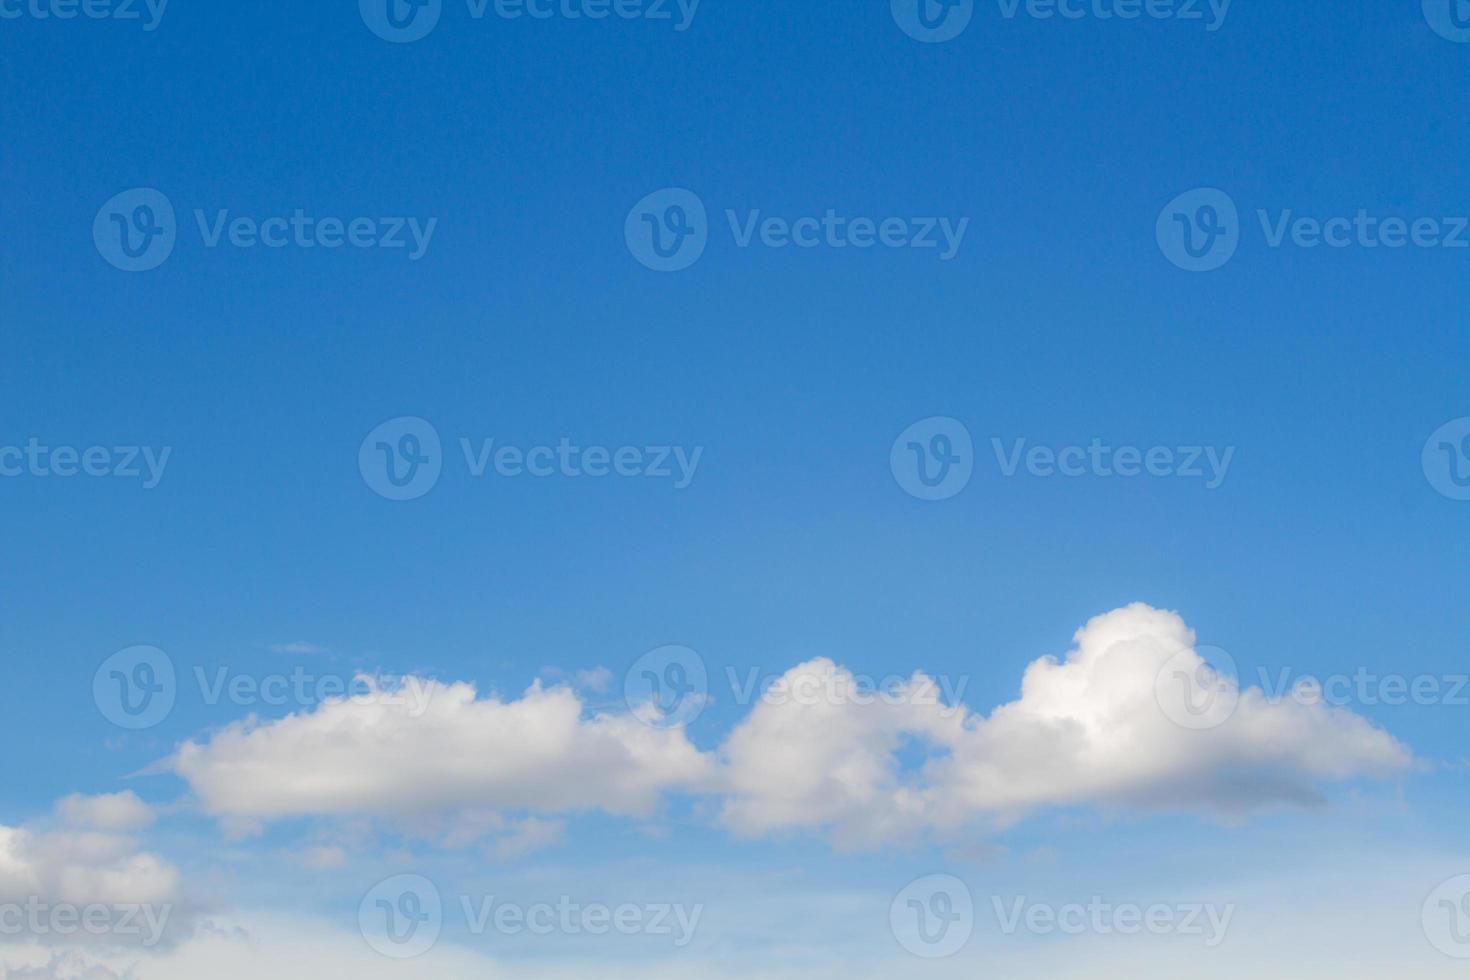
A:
(1088, 729)
(1093, 728)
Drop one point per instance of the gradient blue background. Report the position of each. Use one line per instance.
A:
(528, 320)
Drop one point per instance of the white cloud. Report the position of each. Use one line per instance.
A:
(1087, 730)
(108, 811)
(87, 888)
(454, 750)
(81, 868)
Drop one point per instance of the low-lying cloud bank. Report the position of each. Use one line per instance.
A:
(1094, 727)
(86, 884)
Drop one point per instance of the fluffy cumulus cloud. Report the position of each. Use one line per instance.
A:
(107, 811)
(446, 751)
(1107, 725)
(1096, 726)
(68, 887)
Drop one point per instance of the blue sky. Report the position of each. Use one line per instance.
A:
(1325, 549)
